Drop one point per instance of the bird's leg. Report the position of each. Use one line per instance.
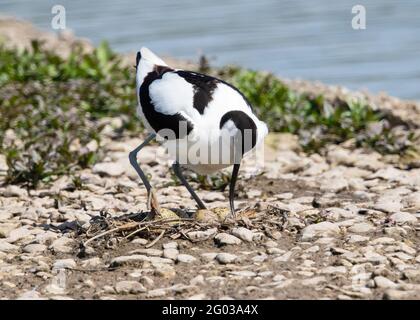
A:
(152, 203)
(232, 189)
(177, 170)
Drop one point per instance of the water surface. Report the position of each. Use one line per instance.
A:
(295, 39)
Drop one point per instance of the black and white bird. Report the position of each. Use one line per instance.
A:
(205, 123)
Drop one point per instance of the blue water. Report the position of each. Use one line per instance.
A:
(294, 39)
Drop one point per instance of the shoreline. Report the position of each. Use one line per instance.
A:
(18, 33)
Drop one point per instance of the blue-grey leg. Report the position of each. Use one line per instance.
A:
(178, 172)
(232, 188)
(133, 161)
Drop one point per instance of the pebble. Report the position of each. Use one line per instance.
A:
(30, 295)
(355, 238)
(3, 164)
(226, 239)
(403, 217)
(243, 234)
(7, 228)
(140, 241)
(225, 258)
(64, 264)
(199, 296)
(54, 289)
(384, 283)
(388, 205)
(335, 185)
(165, 271)
(18, 234)
(155, 293)
(148, 252)
(92, 263)
(319, 229)
(209, 256)
(202, 235)
(170, 253)
(129, 260)
(313, 281)
(412, 275)
(170, 245)
(275, 251)
(334, 270)
(213, 196)
(14, 191)
(243, 274)
(197, 280)
(108, 169)
(185, 258)
(62, 245)
(127, 287)
(361, 227)
(393, 294)
(34, 248)
(7, 247)
(283, 258)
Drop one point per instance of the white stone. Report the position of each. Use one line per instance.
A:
(170, 253)
(362, 227)
(404, 217)
(92, 263)
(320, 229)
(283, 258)
(384, 283)
(243, 234)
(355, 238)
(14, 191)
(34, 248)
(7, 247)
(64, 264)
(225, 258)
(127, 287)
(388, 204)
(108, 169)
(213, 196)
(170, 245)
(225, 239)
(334, 269)
(186, 258)
(3, 165)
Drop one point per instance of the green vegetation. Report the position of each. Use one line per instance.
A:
(52, 111)
(316, 121)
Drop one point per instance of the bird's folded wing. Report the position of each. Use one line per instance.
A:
(172, 94)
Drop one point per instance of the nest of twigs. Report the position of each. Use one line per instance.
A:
(106, 231)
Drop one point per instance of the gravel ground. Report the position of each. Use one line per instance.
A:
(343, 226)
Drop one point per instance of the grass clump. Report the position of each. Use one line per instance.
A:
(50, 109)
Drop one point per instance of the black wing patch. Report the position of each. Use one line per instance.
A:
(203, 85)
(158, 120)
